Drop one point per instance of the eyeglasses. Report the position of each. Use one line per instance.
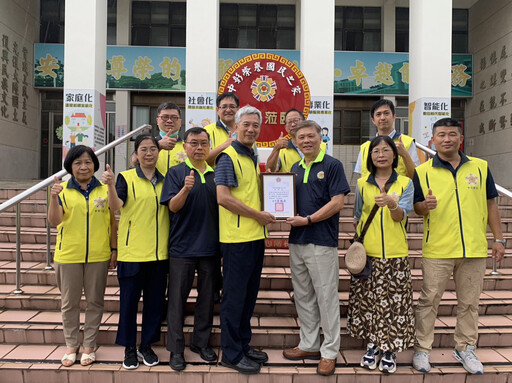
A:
(383, 151)
(231, 106)
(166, 117)
(195, 144)
(293, 122)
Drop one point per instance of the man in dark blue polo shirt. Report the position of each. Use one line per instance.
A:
(189, 192)
(320, 189)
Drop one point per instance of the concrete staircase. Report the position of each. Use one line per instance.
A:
(31, 339)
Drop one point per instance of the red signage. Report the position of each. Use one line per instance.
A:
(271, 83)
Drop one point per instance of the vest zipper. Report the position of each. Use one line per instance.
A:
(60, 243)
(156, 217)
(238, 224)
(460, 219)
(428, 230)
(382, 232)
(128, 233)
(87, 224)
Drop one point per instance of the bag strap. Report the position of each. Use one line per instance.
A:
(368, 222)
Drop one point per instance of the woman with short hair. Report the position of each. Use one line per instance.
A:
(85, 249)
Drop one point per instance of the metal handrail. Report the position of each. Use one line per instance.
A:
(500, 189)
(46, 183)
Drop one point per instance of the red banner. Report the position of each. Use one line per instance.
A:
(271, 83)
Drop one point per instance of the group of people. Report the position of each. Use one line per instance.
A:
(189, 203)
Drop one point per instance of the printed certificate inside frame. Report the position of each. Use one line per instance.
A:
(278, 194)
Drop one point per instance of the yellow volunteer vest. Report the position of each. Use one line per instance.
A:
(406, 140)
(218, 134)
(143, 233)
(84, 233)
(385, 237)
(457, 227)
(235, 228)
(290, 156)
(169, 158)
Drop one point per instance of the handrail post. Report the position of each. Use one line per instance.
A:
(18, 249)
(48, 266)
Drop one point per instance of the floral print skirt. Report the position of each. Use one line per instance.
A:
(380, 307)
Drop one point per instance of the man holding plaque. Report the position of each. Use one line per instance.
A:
(242, 227)
(320, 188)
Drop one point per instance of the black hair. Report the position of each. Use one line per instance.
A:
(382, 102)
(294, 110)
(228, 95)
(196, 130)
(447, 122)
(376, 141)
(142, 137)
(168, 105)
(77, 151)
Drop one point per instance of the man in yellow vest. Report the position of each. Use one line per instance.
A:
(170, 143)
(456, 196)
(286, 152)
(383, 117)
(242, 231)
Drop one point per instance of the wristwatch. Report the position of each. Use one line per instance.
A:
(502, 241)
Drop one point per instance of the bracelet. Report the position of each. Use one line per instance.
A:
(309, 220)
(502, 241)
(396, 207)
(113, 249)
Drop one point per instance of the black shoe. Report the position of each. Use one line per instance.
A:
(148, 355)
(245, 366)
(257, 356)
(177, 362)
(206, 353)
(130, 358)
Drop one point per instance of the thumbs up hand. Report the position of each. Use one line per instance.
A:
(382, 199)
(189, 181)
(430, 200)
(56, 188)
(282, 142)
(108, 176)
(402, 151)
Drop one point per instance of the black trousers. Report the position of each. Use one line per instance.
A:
(243, 263)
(181, 277)
(151, 281)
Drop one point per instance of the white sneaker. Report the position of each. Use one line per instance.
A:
(388, 362)
(469, 360)
(371, 358)
(421, 361)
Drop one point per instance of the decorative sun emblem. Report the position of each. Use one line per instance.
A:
(263, 88)
(182, 156)
(472, 180)
(100, 203)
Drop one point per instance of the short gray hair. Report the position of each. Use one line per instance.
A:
(307, 124)
(248, 109)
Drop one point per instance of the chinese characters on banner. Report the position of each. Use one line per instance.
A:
(322, 113)
(271, 83)
(84, 113)
(14, 81)
(200, 109)
(425, 112)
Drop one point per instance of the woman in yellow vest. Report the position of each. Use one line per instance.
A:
(380, 307)
(143, 251)
(85, 248)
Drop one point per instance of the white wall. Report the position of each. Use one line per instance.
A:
(490, 36)
(19, 142)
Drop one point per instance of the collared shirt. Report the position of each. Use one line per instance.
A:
(224, 171)
(405, 199)
(73, 184)
(413, 152)
(315, 185)
(194, 230)
(438, 162)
